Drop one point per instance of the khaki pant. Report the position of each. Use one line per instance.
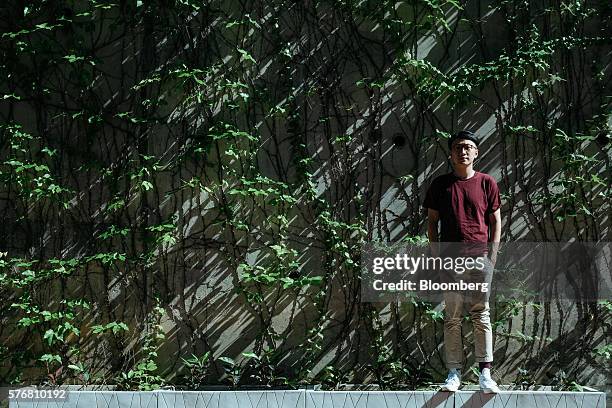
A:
(475, 303)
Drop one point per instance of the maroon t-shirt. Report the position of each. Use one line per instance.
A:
(464, 206)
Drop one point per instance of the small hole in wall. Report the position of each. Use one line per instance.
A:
(399, 140)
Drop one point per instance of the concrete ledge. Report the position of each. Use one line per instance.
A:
(376, 399)
(320, 399)
(531, 399)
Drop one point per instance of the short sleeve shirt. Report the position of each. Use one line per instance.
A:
(464, 206)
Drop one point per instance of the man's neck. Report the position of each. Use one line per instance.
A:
(464, 172)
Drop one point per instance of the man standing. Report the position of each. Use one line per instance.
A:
(466, 204)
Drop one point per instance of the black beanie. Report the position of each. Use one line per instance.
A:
(464, 134)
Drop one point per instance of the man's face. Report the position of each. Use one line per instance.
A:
(463, 152)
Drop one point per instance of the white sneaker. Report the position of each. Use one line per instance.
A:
(453, 381)
(487, 385)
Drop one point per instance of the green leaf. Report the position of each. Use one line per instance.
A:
(117, 327)
(227, 361)
(313, 280)
(50, 335)
(436, 315)
(246, 56)
(73, 58)
(50, 358)
(288, 282)
(280, 250)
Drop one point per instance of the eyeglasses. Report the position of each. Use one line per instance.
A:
(458, 148)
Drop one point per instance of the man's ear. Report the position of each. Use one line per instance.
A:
(476, 155)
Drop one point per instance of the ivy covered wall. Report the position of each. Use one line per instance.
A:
(186, 185)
